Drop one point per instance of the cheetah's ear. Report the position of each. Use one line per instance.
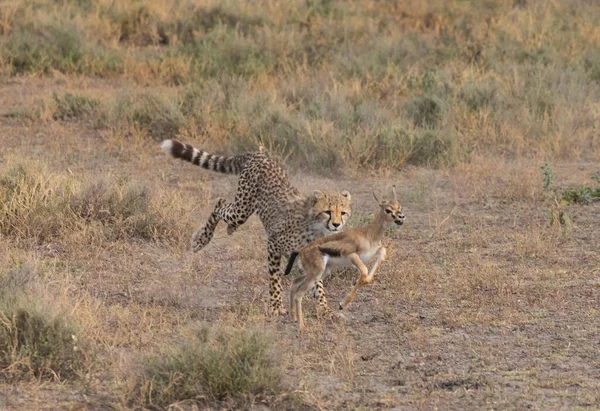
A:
(318, 194)
(346, 194)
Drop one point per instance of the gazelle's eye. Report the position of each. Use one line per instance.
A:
(388, 211)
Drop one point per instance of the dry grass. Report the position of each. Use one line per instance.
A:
(231, 365)
(489, 297)
(39, 207)
(36, 339)
(362, 84)
(483, 298)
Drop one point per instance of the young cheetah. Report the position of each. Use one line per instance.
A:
(290, 219)
(354, 247)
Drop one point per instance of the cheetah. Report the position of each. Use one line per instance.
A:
(354, 247)
(290, 219)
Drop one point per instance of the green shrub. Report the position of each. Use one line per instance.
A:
(124, 211)
(156, 114)
(424, 111)
(479, 95)
(218, 364)
(32, 204)
(35, 339)
(40, 206)
(431, 147)
(592, 67)
(71, 106)
(226, 52)
(39, 49)
(581, 195)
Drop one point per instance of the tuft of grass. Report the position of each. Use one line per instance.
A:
(103, 202)
(39, 49)
(36, 339)
(479, 95)
(33, 203)
(71, 106)
(431, 147)
(40, 206)
(159, 116)
(123, 211)
(424, 111)
(216, 364)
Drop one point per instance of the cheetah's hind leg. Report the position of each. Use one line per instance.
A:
(203, 236)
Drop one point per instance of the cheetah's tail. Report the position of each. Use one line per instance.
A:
(222, 164)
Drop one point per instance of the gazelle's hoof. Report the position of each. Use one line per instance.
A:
(338, 318)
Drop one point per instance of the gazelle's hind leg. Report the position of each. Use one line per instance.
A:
(366, 276)
(381, 254)
(297, 282)
(297, 290)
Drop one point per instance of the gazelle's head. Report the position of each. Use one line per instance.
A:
(391, 210)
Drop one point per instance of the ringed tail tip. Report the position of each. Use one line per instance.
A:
(167, 146)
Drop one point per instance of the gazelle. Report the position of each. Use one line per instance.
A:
(354, 247)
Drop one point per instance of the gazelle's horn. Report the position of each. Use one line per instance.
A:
(394, 192)
(376, 199)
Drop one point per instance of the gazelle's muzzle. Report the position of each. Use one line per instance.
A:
(399, 220)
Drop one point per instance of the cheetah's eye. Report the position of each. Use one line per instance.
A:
(344, 213)
(328, 212)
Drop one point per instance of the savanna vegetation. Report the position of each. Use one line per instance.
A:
(486, 114)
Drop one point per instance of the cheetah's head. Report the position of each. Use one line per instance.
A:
(331, 210)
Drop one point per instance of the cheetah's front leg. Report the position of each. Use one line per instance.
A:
(323, 309)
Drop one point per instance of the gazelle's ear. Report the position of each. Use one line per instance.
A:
(376, 199)
(394, 192)
(346, 194)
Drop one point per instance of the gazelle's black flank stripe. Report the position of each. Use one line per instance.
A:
(330, 251)
(222, 164)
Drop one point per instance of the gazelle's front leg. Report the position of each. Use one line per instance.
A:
(381, 253)
(364, 273)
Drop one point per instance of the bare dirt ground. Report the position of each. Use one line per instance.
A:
(482, 303)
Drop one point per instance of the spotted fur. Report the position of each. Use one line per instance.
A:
(355, 247)
(290, 219)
